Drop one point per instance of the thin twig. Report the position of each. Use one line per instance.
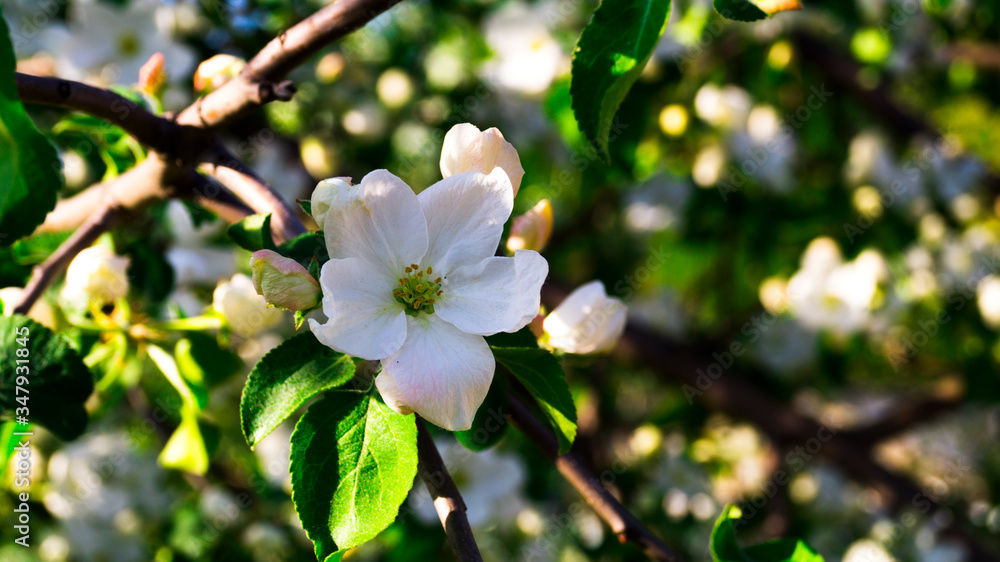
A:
(607, 507)
(262, 79)
(231, 172)
(56, 263)
(447, 499)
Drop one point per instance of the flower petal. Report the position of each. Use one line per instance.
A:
(364, 320)
(465, 217)
(495, 295)
(383, 225)
(441, 373)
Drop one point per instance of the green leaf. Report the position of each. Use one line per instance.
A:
(30, 169)
(203, 361)
(490, 423)
(540, 372)
(58, 383)
(725, 548)
(353, 463)
(194, 397)
(186, 449)
(521, 338)
(253, 233)
(612, 51)
(739, 10)
(306, 247)
(285, 378)
(306, 206)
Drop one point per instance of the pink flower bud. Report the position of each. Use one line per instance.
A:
(283, 282)
(531, 231)
(152, 77)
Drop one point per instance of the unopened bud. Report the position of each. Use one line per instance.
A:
(283, 282)
(329, 193)
(467, 149)
(152, 77)
(216, 71)
(531, 231)
(588, 321)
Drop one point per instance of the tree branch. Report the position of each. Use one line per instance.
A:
(447, 499)
(231, 172)
(607, 507)
(151, 130)
(261, 80)
(56, 263)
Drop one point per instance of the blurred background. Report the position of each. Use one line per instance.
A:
(801, 215)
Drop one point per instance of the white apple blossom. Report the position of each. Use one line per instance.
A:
(245, 311)
(328, 193)
(828, 293)
(112, 43)
(588, 321)
(527, 57)
(96, 275)
(413, 282)
(467, 149)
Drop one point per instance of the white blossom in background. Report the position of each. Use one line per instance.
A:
(829, 293)
(244, 310)
(413, 281)
(467, 149)
(527, 59)
(587, 321)
(41, 311)
(96, 275)
(104, 493)
(193, 259)
(490, 482)
(111, 43)
(988, 299)
(727, 107)
(531, 231)
(766, 150)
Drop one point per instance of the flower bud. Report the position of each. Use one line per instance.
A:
(330, 193)
(216, 71)
(771, 7)
(244, 310)
(40, 312)
(467, 149)
(588, 321)
(531, 230)
(283, 282)
(152, 77)
(96, 275)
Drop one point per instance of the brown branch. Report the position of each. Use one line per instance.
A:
(151, 130)
(904, 417)
(231, 172)
(56, 263)
(261, 80)
(625, 526)
(447, 500)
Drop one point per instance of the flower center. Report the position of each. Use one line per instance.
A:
(417, 291)
(128, 44)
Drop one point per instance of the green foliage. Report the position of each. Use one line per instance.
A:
(540, 372)
(739, 10)
(286, 378)
(305, 247)
(725, 548)
(612, 51)
(253, 233)
(353, 463)
(56, 382)
(30, 169)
